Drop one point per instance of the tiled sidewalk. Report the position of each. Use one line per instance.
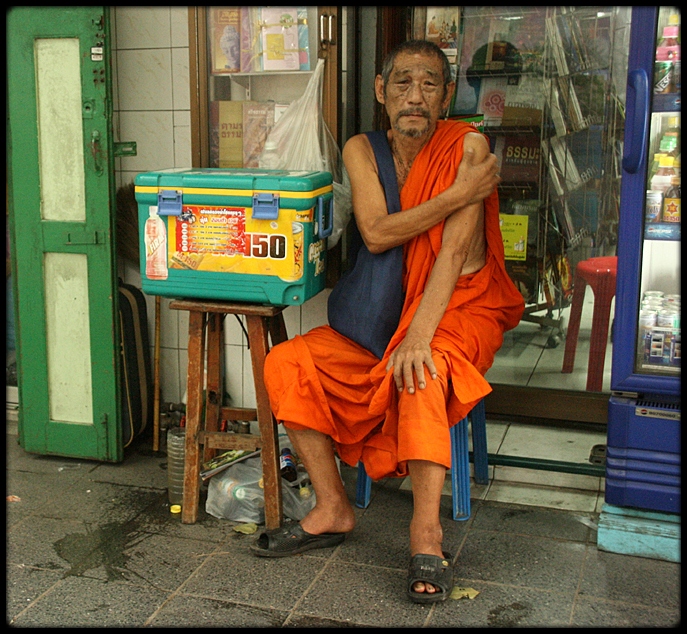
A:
(94, 544)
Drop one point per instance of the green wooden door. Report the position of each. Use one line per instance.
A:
(60, 187)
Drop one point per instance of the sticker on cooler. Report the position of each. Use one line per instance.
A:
(155, 240)
(229, 240)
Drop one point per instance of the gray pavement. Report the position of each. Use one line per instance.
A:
(94, 544)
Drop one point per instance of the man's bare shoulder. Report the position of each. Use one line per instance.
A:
(357, 144)
(358, 154)
(478, 143)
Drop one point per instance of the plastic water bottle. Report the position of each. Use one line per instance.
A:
(176, 452)
(661, 180)
(269, 159)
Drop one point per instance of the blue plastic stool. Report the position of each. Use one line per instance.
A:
(460, 464)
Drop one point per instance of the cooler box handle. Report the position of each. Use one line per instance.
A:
(323, 214)
(265, 206)
(169, 202)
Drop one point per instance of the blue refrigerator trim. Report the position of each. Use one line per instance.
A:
(633, 193)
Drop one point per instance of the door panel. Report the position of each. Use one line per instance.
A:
(60, 185)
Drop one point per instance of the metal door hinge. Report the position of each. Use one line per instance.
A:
(125, 148)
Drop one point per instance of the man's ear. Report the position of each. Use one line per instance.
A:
(450, 89)
(379, 89)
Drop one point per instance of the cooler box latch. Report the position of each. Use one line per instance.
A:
(265, 206)
(169, 202)
(325, 217)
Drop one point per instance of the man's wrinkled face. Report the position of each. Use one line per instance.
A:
(415, 97)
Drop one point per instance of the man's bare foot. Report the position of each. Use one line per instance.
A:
(332, 517)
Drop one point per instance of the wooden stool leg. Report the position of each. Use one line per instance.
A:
(277, 329)
(215, 376)
(257, 338)
(196, 372)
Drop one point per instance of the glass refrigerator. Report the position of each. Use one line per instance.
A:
(643, 447)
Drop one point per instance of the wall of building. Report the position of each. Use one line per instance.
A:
(152, 107)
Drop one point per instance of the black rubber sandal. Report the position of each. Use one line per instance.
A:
(291, 539)
(430, 569)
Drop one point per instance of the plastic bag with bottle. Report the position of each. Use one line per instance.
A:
(236, 494)
(301, 140)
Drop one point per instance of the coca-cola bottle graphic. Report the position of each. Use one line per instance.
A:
(155, 239)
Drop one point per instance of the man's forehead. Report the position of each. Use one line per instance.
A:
(405, 64)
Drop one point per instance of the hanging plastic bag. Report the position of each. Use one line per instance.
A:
(301, 140)
(235, 494)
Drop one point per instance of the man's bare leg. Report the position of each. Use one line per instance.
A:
(333, 512)
(426, 534)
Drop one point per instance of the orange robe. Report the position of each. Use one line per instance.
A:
(324, 381)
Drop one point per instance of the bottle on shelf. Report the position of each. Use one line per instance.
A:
(668, 145)
(654, 165)
(654, 206)
(674, 21)
(671, 201)
(673, 131)
(661, 180)
(667, 55)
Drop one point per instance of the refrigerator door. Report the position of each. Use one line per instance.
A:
(647, 335)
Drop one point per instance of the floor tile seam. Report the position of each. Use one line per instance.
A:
(179, 590)
(36, 568)
(235, 602)
(584, 542)
(77, 477)
(500, 468)
(514, 586)
(195, 538)
(288, 612)
(15, 526)
(562, 486)
(43, 594)
(553, 591)
(151, 489)
(580, 581)
(361, 564)
(330, 619)
(315, 579)
(528, 507)
(630, 604)
(468, 526)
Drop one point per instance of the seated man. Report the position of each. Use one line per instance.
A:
(394, 414)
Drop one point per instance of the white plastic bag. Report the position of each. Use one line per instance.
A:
(235, 494)
(302, 141)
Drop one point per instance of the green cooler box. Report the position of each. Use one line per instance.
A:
(234, 234)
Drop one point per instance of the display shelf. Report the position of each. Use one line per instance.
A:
(511, 65)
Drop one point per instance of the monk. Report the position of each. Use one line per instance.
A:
(394, 414)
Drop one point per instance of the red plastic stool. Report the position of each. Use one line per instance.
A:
(600, 274)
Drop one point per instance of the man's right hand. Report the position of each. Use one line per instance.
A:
(477, 177)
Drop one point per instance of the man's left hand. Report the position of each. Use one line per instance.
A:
(408, 361)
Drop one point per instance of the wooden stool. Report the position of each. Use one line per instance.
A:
(600, 274)
(261, 321)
